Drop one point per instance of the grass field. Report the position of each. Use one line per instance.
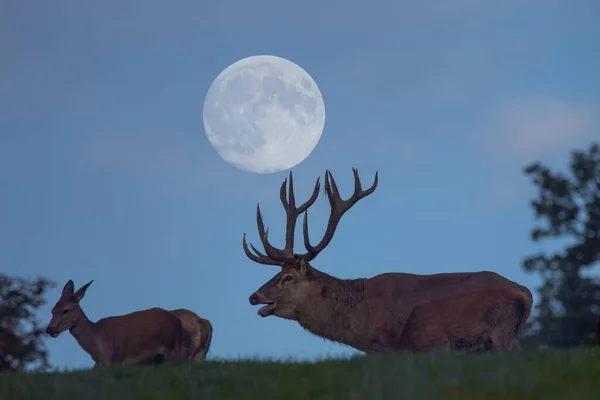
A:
(568, 374)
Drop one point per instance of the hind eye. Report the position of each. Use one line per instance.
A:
(65, 311)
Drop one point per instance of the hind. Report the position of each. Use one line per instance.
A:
(199, 331)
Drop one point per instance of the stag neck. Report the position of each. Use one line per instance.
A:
(87, 336)
(337, 313)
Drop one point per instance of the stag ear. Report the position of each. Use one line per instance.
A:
(79, 294)
(303, 267)
(68, 289)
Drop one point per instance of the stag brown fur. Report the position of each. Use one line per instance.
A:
(200, 333)
(368, 314)
(148, 336)
(476, 320)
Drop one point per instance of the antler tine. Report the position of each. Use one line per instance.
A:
(331, 186)
(304, 207)
(292, 198)
(275, 255)
(338, 208)
(292, 213)
(272, 252)
(282, 193)
(258, 252)
(312, 198)
(290, 208)
(305, 236)
(261, 258)
(357, 187)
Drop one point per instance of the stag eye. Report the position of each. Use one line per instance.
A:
(286, 279)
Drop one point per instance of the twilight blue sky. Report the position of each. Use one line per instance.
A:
(107, 174)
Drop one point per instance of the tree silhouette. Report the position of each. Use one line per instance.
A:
(21, 344)
(569, 297)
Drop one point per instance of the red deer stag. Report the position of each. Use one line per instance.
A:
(474, 320)
(368, 314)
(200, 331)
(149, 336)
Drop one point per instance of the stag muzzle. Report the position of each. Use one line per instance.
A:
(269, 308)
(254, 299)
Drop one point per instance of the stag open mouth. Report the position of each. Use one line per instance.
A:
(267, 310)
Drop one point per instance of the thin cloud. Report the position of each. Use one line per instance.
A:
(526, 129)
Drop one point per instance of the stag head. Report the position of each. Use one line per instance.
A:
(66, 313)
(298, 281)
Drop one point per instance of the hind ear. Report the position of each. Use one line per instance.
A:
(81, 292)
(68, 289)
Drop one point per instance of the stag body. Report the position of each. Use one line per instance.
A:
(368, 314)
(199, 331)
(476, 320)
(149, 336)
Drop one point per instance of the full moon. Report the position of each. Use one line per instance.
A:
(264, 114)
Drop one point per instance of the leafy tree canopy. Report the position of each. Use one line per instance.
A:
(21, 344)
(569, 206)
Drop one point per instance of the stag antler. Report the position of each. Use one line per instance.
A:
(338, 208)
(275, 256)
